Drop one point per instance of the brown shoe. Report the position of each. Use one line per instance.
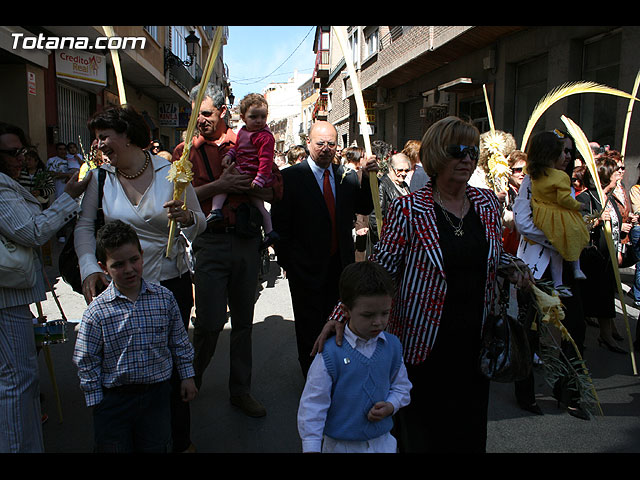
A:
(249, 405)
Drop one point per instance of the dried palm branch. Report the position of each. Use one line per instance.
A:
(180, 171)
(623, 150)
(563, 91)
(115, 57)
(550, 313)
(341, 36)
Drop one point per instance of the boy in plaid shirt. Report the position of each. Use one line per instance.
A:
(129, 338)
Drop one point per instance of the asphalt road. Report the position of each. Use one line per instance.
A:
(218, 427)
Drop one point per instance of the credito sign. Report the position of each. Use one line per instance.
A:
(81, 66)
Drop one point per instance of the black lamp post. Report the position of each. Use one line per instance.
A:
(192, 45)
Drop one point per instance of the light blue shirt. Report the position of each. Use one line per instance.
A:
(318, 172)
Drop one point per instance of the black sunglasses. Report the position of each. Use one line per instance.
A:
(517, 169)
(14, 152)
(460, 151)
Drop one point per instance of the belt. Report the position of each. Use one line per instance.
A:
(133, 387)
(220, 229)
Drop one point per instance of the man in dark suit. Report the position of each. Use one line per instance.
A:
(315, 245)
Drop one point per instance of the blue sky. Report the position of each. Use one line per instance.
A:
(258, 55)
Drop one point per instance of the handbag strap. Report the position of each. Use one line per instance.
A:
(206, 162)
(102, 174)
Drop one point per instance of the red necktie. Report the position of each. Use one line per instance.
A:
(331, 205)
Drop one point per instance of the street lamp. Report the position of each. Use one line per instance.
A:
(192, 45)
(171, 59)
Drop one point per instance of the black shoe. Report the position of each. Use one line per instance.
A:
(612, 348)
(215, 216)
(578, 413)
(533, 408)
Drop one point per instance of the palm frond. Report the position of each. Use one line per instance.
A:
(582, 145)
(563, 91)
(486, 101)
(627, 121)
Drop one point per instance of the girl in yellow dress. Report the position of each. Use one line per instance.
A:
(555, 212)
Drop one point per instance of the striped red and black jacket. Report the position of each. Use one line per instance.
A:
(409, 249)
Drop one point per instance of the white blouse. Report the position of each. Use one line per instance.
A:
(148, 218)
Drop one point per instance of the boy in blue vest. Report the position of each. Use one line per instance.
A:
(129, 339)
(353, 390)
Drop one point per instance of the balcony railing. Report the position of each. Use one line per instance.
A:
(321, 108)
(321, 68)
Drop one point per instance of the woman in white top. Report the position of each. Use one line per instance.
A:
(137, 191)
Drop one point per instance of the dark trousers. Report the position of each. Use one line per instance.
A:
(227, 267)
(182, 289)
(312, 306)
(133, 419)
(525, 389)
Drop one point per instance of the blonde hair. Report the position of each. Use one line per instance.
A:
(412, 150)
(448, 131)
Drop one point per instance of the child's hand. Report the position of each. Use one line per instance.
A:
(380, 411)
(226, 161)
(254, 185)
(188, 389)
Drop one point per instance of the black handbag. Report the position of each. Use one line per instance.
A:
(505, 355)
(68, 265)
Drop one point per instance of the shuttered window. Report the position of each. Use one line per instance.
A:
(73, 113)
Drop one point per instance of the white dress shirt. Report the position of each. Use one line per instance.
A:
(148, 218)
(316, 400)
(318, 172)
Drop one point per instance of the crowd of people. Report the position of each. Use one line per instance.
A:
(384, 313)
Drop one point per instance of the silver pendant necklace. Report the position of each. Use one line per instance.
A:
(457, 230)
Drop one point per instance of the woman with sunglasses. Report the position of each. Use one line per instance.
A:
(517, 161)
(443, 246)
(23, 222)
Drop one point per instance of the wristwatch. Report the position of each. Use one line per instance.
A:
(192, 220)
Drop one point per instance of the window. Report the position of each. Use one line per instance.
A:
(355, 47)
(598, 113)
(371, 40)
(531, 86)
(178, 43)
(152, 31)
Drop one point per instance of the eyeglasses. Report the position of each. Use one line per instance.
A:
(621, 167)
(517, 169)
(325, 144)
(460, 151)
(568, 151)
(14, 152)
(558, 133)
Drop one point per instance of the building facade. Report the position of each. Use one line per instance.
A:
(55, 77)
(411, 76)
